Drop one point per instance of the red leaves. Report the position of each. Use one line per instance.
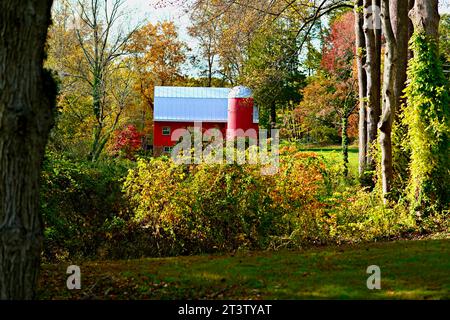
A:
(127, 141)
(339, 48)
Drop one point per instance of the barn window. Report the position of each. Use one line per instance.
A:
(167, 149)
(166, 131)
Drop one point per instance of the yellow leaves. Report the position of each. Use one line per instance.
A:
(157, 55)
(207, 202)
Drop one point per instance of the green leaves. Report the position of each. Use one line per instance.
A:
(427, 117)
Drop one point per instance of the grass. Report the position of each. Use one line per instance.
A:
(333, 155)
(409, 270)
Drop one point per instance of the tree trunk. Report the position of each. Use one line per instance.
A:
(210, 66)
(372, 34)
(389, 100)
(95, 142)
(362, 85)
(428, 113)
(400, 27)
(97, 94)
(27, 95)
(410, 27)
(425, 17)
(345, 145)
(273, 117)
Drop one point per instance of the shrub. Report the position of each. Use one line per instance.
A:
(358, 215)
(127, 142)
(119, 209)
(210, 207)
(77, 197)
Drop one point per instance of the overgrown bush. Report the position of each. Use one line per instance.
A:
(209, 207)
(358, 215)
(77, 199)
(120, 209)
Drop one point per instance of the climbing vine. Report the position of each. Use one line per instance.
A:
(427, 120)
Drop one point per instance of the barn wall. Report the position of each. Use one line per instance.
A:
(160, 140)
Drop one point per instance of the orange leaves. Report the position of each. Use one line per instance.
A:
(157, 56)
(226, 206)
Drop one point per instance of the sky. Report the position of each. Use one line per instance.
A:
(444, 6)
(147, 11)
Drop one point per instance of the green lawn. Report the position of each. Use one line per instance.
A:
(333, 154)
(409, 270)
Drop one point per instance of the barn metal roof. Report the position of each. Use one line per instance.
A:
(191, 92)
(192, 104)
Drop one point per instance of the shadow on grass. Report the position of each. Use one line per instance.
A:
(409, 270)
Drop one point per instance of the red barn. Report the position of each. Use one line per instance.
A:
(181, 107)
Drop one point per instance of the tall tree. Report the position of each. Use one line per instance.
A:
(73, 121)
(427, 115)
(156, 55)
(271, 69)
(27, 97)
(360, 43)
(206, 30)
(102, 35)
(338, 59)
(395, 25)
(372, 32)
(389, 98)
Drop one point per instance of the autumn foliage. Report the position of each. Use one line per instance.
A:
(339, 48)
(208, 207)
(127, 142)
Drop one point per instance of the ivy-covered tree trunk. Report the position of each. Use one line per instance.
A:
(427, 115)
(27, 94)
(362, 85)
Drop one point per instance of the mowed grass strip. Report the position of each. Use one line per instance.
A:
(417, 269)
(333, 156)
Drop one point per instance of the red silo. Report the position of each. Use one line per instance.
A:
(240, 114)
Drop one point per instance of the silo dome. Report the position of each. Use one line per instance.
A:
(240, 92)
